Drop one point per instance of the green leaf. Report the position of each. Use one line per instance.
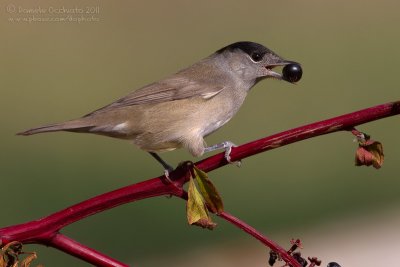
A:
(208, 191)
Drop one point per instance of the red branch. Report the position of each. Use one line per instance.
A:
(253, 232)
(78, 250)
(46, 230)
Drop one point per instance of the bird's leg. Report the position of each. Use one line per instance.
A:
(167, 168)
(227, 146)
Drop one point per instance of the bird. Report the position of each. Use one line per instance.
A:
(180, 110)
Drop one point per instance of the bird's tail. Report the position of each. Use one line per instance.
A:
(70, 126)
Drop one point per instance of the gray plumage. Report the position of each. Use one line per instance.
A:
(180, 110)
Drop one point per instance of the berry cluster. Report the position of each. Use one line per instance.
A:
(273, 256)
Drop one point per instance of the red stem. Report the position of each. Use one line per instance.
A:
(44, 230)
(253, 232)
(340, 123)
(80, 251)
(285, 255)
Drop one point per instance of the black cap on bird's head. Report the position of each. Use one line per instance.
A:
(265, 58)
(249, 48)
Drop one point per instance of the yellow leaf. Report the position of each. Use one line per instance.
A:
(196, 210)
(208, 191)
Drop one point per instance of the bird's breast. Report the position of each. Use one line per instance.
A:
(219, 111)
(212, 126)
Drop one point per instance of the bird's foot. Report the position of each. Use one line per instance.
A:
(167, 171)
(167, 168)
(227, 146)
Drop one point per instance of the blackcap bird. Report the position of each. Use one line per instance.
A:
(180, 110)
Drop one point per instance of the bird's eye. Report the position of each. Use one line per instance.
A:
(256, 57)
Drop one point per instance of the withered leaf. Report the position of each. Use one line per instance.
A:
(204, 223)
(10, 256)
(370, 153)
(3, 262)
(196, 209)
(208, 191)
(28, 260)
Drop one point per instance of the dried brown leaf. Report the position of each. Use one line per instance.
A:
(28, 259)
(370, 153)
(3, 262)
(205, 223)
(10, 256)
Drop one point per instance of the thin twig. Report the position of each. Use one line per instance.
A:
(263, 239)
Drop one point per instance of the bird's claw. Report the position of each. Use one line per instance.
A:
(166, 175)
(227, 145)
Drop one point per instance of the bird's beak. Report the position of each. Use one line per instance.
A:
(269, 73)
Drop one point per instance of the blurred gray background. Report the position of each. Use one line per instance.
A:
(52, 71)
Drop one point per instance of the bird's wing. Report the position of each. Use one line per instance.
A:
(173, 88)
